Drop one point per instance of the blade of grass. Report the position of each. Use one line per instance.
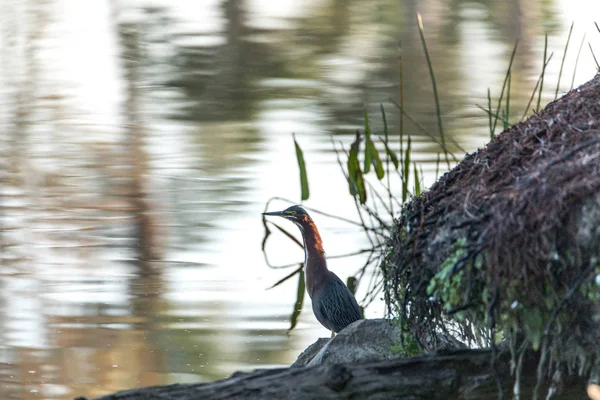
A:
(434, 85)
(425, 131)
(512, 58)
(389, 155)
(577, 61)
(535, 89)
(507, 109)
(351, 282)
(562, 63)
(539, 100)
(302, 166)
(437, 167)
(368, 155)
(376, 160)
(490, 114)
(299, 301)
(356, 181)
(406, 171)
(502, 117)
(401, 77)
(417, 181)
(486, 111)
(289, 235)
(288, 276)
(385, 125)
(371, 153)
(594, 56)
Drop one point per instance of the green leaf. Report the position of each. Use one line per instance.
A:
(351, 283)
(371, 153)
(376, 160)
(417, 181)
(302, 167)
(391, 154)
(299, 301)
(385, 126)
(368, 154)
(406, 171)
(356, 181)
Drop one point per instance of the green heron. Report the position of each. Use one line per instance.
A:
(333, 304)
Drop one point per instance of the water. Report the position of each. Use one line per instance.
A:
(146, 130)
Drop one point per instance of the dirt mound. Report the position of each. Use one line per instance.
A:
(509, 241)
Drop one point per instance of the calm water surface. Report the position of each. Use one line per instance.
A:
(140, 141)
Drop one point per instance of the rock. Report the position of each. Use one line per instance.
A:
(310, 352)
(364, 340)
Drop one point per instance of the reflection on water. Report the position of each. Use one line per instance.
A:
(141, 139)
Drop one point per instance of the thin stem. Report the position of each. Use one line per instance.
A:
(434, 84)
(512, 58)
(594, 56)
(425, 131)
(539, 100)
(534, 90)
(577, 61)
(562, 63)
(401, 72)
(490, 114)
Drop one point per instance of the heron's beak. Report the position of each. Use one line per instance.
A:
(274, 213)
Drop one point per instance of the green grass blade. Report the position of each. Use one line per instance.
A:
(490, 114)
(299, 301)
(425, 131)
(512, 58)
(371, 153)
(507, 109)
(539, 100)
(562, 63)
(302, 167)
(401, 82)
(534, 90)
(391, 155)
(376, 160)
(437, 167)
(385, 125)
(406, 171)
(434, 85)
(351, 282)
(417, 180)
(368, 154)
(356, 181)
(288, 234)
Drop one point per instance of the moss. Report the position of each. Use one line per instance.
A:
(408, 345)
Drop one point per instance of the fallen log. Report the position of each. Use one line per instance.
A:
(464, 374)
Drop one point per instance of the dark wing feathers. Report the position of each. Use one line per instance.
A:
(338, 305)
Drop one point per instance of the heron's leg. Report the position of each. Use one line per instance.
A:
(332, 334)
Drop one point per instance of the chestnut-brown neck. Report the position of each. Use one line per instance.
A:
(314, 255)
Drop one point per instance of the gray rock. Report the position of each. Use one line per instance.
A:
(364, 340)
(310, 352)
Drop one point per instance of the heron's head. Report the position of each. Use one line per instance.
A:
(296, 214)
